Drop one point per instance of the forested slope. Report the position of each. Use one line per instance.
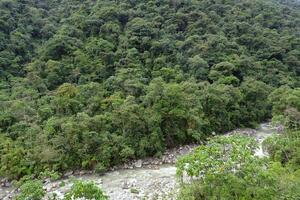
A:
(90, 84)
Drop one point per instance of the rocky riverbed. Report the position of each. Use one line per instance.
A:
(129, 184)
(150, 178)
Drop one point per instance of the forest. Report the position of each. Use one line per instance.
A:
(90, 84)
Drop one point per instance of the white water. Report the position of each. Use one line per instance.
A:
(141, 183)
(265, 130)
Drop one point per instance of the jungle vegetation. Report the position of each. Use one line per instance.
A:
(89, 84)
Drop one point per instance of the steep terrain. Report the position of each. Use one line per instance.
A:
(92, 84)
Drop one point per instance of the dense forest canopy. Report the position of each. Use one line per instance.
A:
(90, 84)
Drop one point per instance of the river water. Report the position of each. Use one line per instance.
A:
(141, 183)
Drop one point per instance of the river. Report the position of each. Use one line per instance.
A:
(142, 183)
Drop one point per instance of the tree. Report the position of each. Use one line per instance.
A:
(178, 110)
(97, 84)
(254, 105)
(198, 67)
(221, 107)
(286, 106)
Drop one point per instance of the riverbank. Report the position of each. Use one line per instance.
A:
(150, 178)
(153, 176)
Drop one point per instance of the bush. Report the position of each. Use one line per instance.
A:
(226, 169)
(285, 148)
(49, 174)
(85, 190)
(31, 190)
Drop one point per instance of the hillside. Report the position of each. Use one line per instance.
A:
(91, 84)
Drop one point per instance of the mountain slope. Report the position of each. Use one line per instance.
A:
(90, 84)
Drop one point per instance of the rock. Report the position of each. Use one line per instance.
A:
(47, 180)
(67, 174)
(56, 185)
(129, 184)
(125, 185)
(77, 172)
(99, 181)
(82, 173)
(5, 183)
(138, 163)
(146, 162)
(47, 188)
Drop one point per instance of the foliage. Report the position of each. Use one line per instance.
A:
(49, 174)
(222, 172)
(286, 107)
(90, 84)
(285, 149)
(32, 190)
(226, 168)
(84, 190)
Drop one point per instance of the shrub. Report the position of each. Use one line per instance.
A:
(226, 169)
(49, 174)
(86, 190)
(31, 190)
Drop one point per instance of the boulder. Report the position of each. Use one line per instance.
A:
(5, 183)
(129, 183)
(138, 163)
(67, 174)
